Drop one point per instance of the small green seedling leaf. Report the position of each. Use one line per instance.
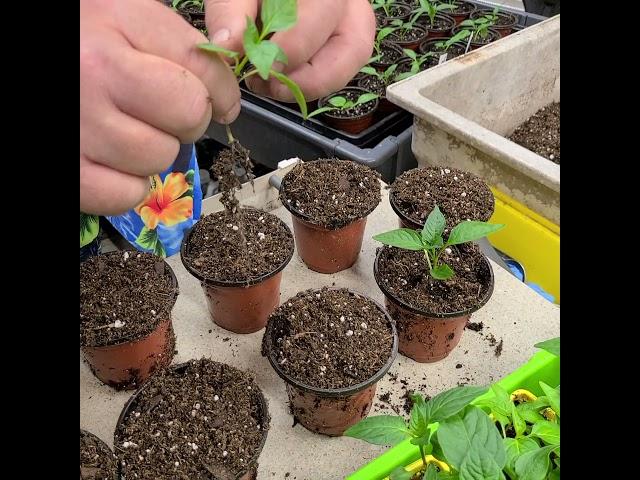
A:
(434, 226)
(212, 47)
(430, 473)
(366, 97)
(534, 465)
(401, 238)
(380, 430)
(515, 447)
(338, 101)
(441, 272)
(553, 395)
(452, 401)
(552, 346)
(278, 15)
(469, 231)
(519, 425)
(369, 71)
(295, 90)
(548, 432)
(410, 53)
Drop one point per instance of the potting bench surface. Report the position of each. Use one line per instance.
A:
(514, 319)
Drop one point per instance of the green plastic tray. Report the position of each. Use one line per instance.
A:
(543, 366)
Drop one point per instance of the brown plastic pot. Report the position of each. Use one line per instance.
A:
(492, 37)
(438, 31)
(462, 16)
(252, 466)
(382, 19)
(424, 336)
(503, 29)
(409, 44)
(240, 307)
(348, 124)
(126, 365)
(382, 66)
(384, 106)
(331, 411)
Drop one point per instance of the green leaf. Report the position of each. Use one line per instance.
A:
(261, 54)
(419, 420)
(338, 101)
(514, 447)
(400, 473)
(384, 33)
(212, 47)
(499, 405)
(519, 425)
(403, 75)
(366, 97)
(189, 175)
(281, 56)
(554, 474)
(147, 238)
(441, 272)
(430, 473)
(380, 430)
(450, 402)
(472, 445)
(159, 249)
(552, 346)
(548, 432)
(469, 231)
(278, 15)
(553, 395)
(320, 110)
(409, 53)
(401, 238)
(434, 226)
(295, 90)
(89, 228)
(534, 465)
(389, 71)
(370, 71)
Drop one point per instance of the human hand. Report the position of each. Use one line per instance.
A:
(144, 89)
(332, 40)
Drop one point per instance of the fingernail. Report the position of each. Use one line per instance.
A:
(231, 115)
(221, 35)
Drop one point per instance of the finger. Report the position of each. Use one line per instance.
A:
(154, 29)
(227, 20)
(335, 63)
(104, 191)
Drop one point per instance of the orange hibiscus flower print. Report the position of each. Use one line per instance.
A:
(165, 203)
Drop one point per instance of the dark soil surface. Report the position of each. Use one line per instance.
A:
(459, 195)
(395, 11)
(390, 55)
(462, 7)
(331, 193)
(405, 275)
(123, 296)
(439, 24)
(200, 421)
(541, 133)
(374, 85)
(97, 461)
(475, 326)
(503, 19)
(238, 248)
(329, 338)
(353, 112)
(406, 35)
(454, 50)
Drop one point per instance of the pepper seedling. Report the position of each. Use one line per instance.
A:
(342, 103)
(403, 28)
(275, 16)
(479, 27)
(431, 10)
(416, 63)
(458, 37)
(380, 36)
(384, 5)
(386, 77)
(431, 242)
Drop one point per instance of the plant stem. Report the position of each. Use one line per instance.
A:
(240, 66)
(229, 134)
(424, 458)
(426, 255)
(248, 74)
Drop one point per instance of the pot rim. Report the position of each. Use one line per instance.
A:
(172, 302)
(324, 100)
(392, 46)
(496, 35)
(226, 283)
(116, 472)
(262, 403)
(444, 316)
(344, 391)
(306, 218)
(503, 14)
(441, 16)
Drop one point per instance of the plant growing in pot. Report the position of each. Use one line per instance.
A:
(436, 23)
(198, 420)
(453, 47)
(329, 201)
(97, 461)
(407, 35)
(461, 11)
(389, 10)
(350, 109)
(377, 82)
(415, 63)
(331, 346)
(481, 32)
(502, 22)
(238, 254)
(429, 300)
(386, 53)
(126, 300)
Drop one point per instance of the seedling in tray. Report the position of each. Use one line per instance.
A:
(445, 45)
(431, 10)
(384, 5)
(479, 27)
(341, 103)
(416, 63)
(386, 78)
(380, 36)
(431, 242)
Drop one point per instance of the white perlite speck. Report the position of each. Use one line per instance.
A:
(118, 324)
(363, 325)
(225, 453)
(463, 194)
(235, 228)
(448, 250)
(216, 398)
(125, 256)
(349, 333)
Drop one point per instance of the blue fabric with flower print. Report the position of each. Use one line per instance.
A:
(173, 205)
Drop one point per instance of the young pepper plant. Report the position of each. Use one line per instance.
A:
(342, 103)
(385, 77)
(275, 16)
(380, 36)
(384, 5)
(431, 9)
(416, 63)
(390, 429)
(445, 45)
(431, 242)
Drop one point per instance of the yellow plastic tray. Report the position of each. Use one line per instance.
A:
(530, 239)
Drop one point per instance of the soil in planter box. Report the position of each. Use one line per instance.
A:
(459, 195)
(405, 274)
(123, 296)
(97, 462)
(331, 193)
(353, 112)
(541, 133)
(238, 247)
(192, 425)
(330, 338)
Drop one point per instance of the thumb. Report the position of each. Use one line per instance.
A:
(226, 21)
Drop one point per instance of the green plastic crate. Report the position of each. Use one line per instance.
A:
(543, 366)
